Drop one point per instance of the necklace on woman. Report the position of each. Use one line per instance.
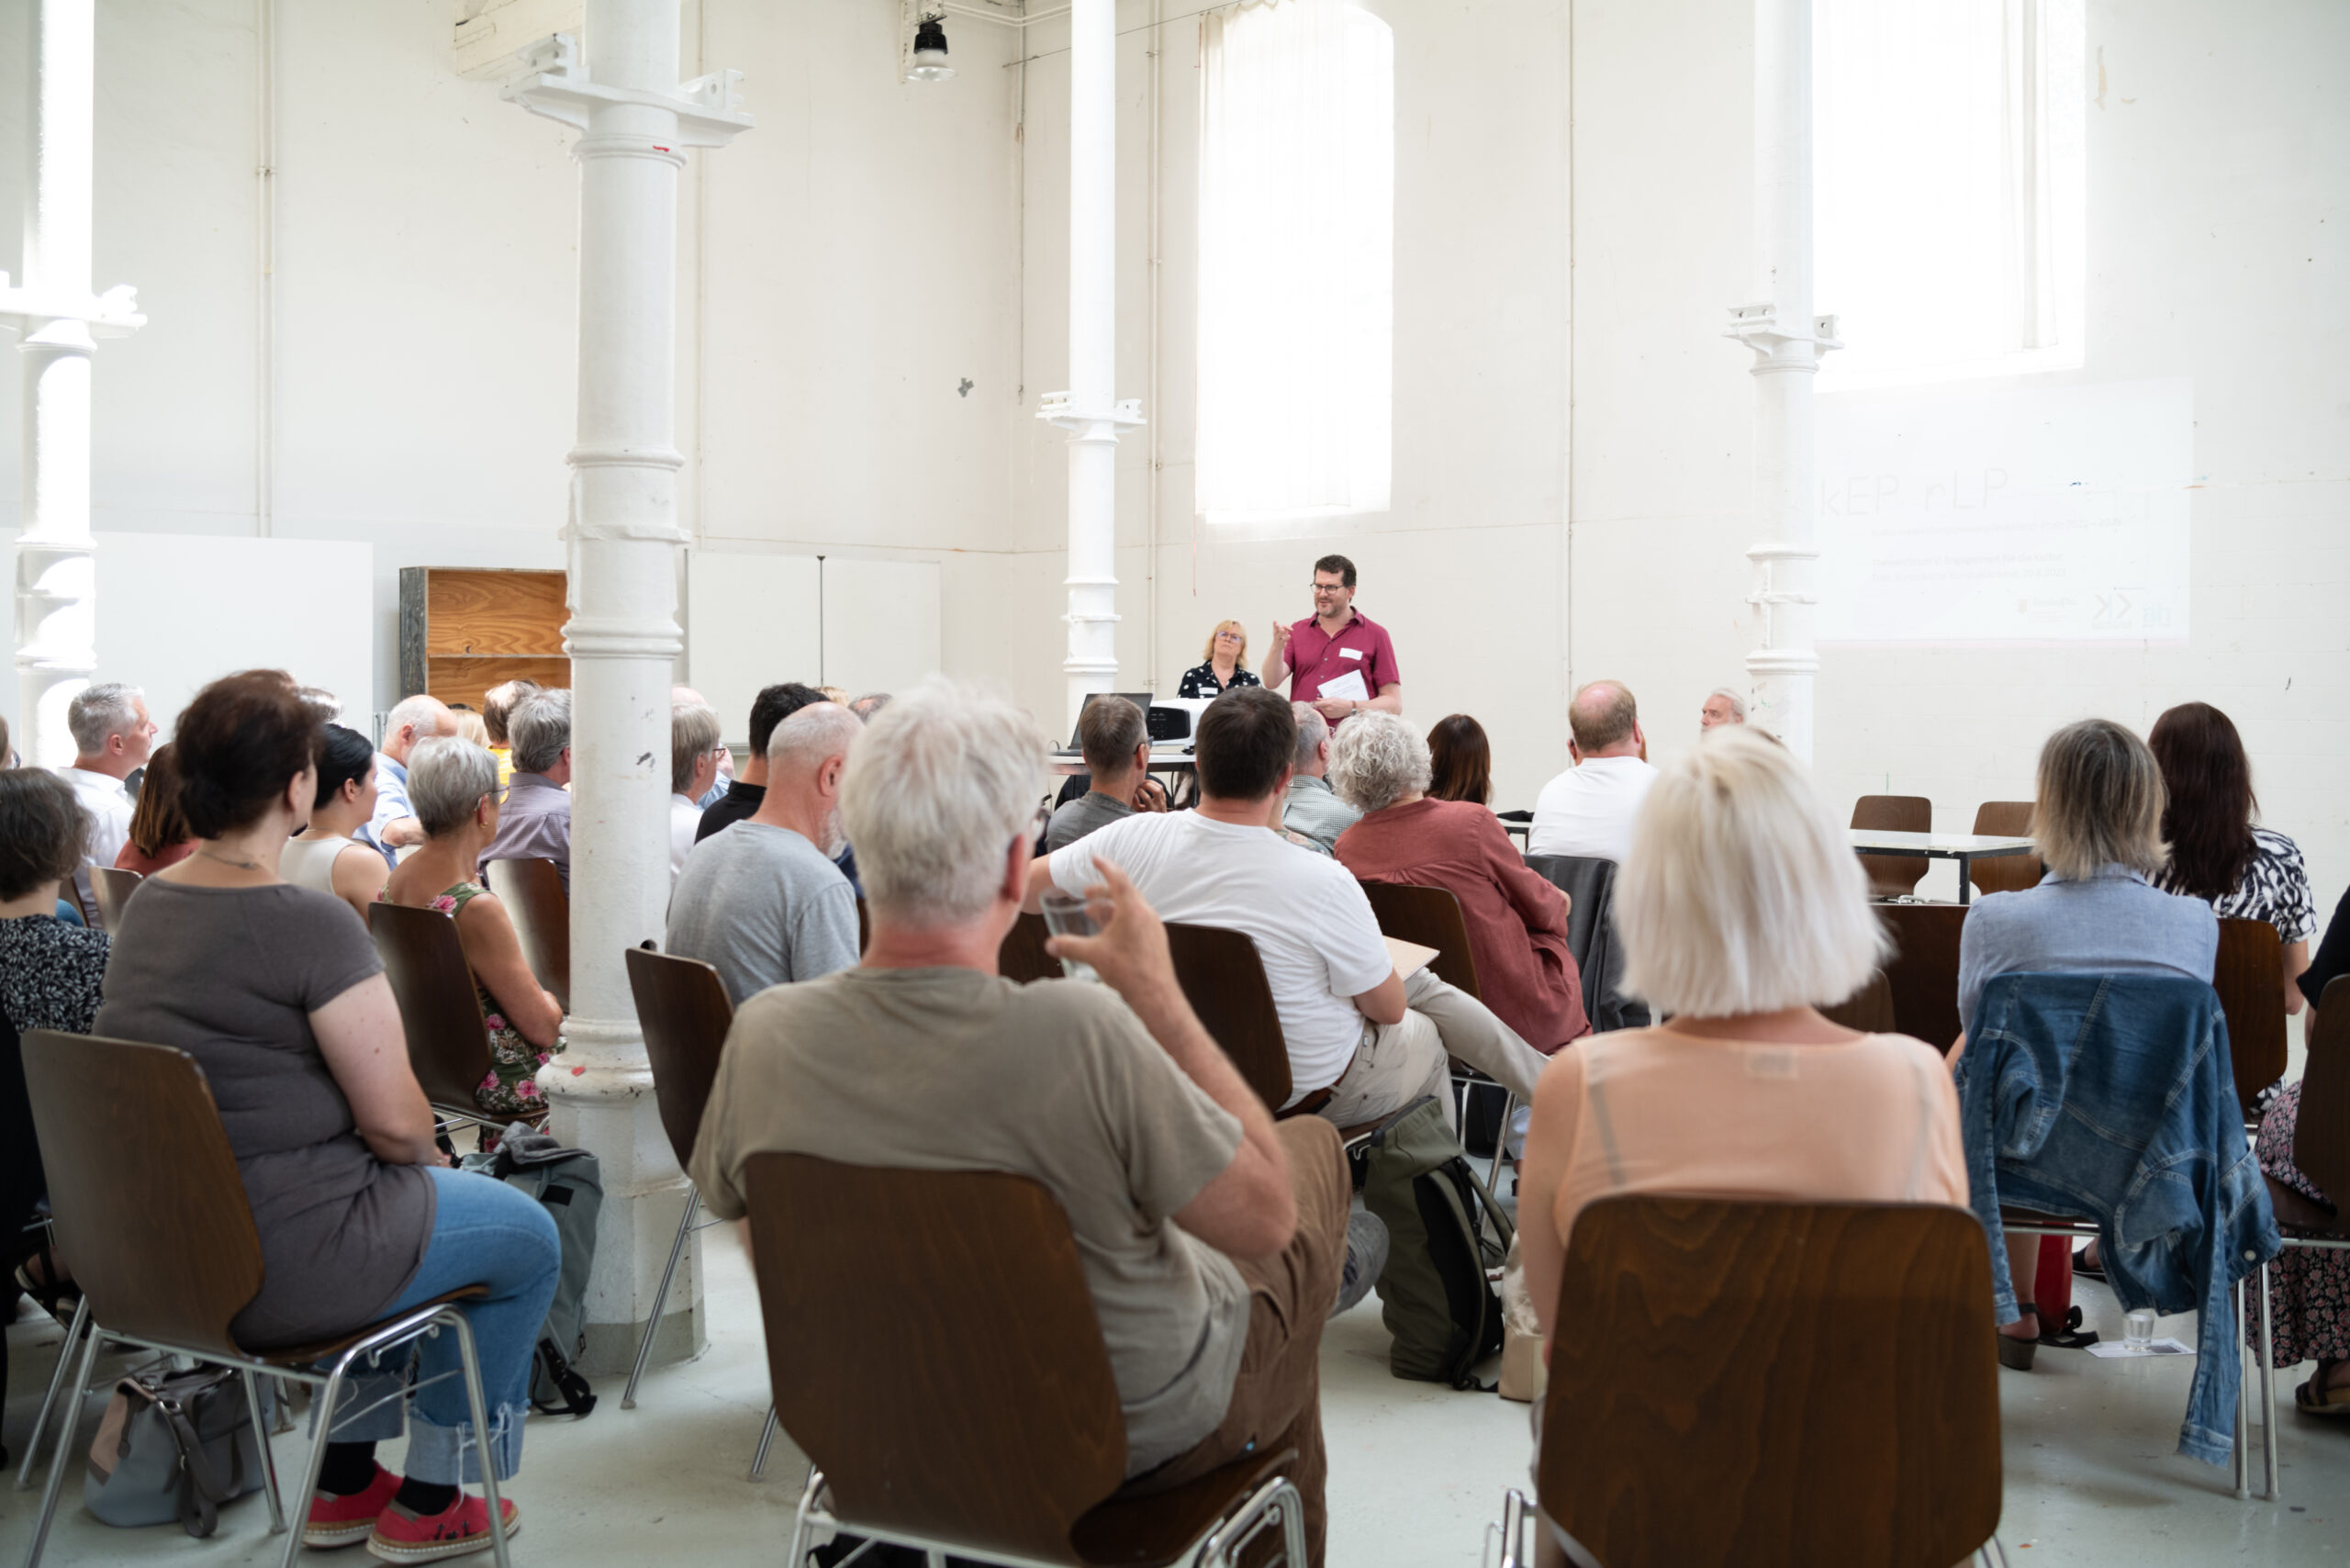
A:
(240, 865)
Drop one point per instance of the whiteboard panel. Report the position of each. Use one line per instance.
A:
(881, 624)
(751, 620)
(178, 611)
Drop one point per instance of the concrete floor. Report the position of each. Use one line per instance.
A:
(1415, 1471)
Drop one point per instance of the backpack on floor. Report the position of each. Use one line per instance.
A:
(569, 1184)
(1433, 1295)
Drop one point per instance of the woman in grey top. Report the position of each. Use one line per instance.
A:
(2098, 826)
(276, 991)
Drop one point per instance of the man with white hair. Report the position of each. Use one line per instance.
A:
(112, 737)
(1723, 706)
(694, 749)
(412, 719)
(1588, 809)
(1310, 810)
(1210, 1238)
(534, 817)
(760, 900)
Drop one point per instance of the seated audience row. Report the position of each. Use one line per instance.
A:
(1588, 810)
(412, 721)
(1115, 741)
(534, 812)
(330, 856)
(1311, 814)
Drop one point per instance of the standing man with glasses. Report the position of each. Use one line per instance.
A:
(1344, 661)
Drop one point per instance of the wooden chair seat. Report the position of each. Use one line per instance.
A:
(1869, 1009)
(1894, 876)
(2004, 873)
(111, 887)
(532, 892)
(2249, 975)
(448, 1043)
(1022, 958)
(1224, 979)
(2301, 1219)
(1130, 1532)
(326, 1349)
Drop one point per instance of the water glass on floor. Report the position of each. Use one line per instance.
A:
(2138, 1329)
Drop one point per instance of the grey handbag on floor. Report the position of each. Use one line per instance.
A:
(174, 1445)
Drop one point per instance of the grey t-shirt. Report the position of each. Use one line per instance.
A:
(2113, 923)
(762, 906)
(231, 976)
(1089, 812)
(951, 1069)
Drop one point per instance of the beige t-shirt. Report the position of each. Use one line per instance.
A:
(951, 1069)
(1875, 1120)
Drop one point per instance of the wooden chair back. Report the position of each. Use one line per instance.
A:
(1022, 958)
(960, 1391)
(1431, 917)
(1712, 1405)
(2249, 975)
(2007, 873)
(1589, 883)
(532, 892)
(144, 1188)
(1923, 971)
(1224, 982)
(2321, 1128)
(110, 888)
(1869, 1009)
(681, 1005)
(448, 1044)
(1894, 876)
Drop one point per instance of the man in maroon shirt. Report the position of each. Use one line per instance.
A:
(1343, 660)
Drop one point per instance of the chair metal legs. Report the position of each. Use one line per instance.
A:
(49, 1400)
(261, 1441)
(1501, 1143)
(66, 1423)
(767, 1436)
(661, 1298)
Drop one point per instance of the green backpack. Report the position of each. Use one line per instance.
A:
(1433, 1295)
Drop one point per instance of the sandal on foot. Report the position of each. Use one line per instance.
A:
(2315, 1399)
(2070, 1334)
(2082, 1266)
(2014, 1353)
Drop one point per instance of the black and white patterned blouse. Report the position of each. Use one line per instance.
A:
(1200, 681)
(51, 973)
(2275, 888)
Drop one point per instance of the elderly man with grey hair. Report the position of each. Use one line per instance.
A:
(761, 899)
(1311, 814)
(1211, 1238)
(1723, 706)
(535, 819)
(694, 748)
(112, 737)
(412, 722)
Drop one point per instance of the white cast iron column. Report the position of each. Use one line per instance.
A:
(623, 637)
(1787, 340)
(56, 587)
(1089, 410)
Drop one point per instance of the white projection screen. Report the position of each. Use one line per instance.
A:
(2054, 515)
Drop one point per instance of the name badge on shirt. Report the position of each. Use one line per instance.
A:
(1350, 653)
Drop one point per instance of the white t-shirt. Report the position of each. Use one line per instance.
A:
(1588, 809)
(1312, 925)
(685, 821)
(109, 803)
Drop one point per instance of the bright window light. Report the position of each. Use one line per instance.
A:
(1297, 218)
(1949, 204)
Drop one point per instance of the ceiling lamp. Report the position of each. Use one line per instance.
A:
(930, 53)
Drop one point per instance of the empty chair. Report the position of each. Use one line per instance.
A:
(1894, 876)
(149, 1203)
(532, 892)
(1922, 974)
(972, 1315)
(2005, 873)
(1709, 1405)
(448, 1043)
(111, 888)
(2250, 960)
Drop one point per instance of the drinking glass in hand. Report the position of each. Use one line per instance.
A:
(1066, 914)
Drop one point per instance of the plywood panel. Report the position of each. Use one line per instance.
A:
(492, 613)
(881, 624)
(751, 620)
(464, 680)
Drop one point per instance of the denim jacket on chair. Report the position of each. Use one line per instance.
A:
(2111, 1097)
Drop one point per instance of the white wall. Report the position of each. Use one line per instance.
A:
(841, 268)
(2216, 185)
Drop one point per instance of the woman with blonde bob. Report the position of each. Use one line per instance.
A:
(2097, 822)
(1227, 666)
(1742, 908)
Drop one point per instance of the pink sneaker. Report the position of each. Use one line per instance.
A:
(346, 1521)
(460, 1529)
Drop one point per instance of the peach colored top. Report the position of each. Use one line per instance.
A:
(1875, 1120)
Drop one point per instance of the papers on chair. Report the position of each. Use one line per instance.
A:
(1347, 688)
(1410, 956)
(2154, 1348)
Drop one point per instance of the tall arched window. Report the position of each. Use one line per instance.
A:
(1297, 218)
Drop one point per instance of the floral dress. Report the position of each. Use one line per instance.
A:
(512, 1087)
(2309, 1288)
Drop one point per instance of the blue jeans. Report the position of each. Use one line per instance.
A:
(484, 1232)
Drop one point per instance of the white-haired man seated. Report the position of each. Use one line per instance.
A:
(761, 899)
(1211, 1238)
(1353, 1026)
(1723, 706)
(1310, 810)
(112, 738)
(412, 721)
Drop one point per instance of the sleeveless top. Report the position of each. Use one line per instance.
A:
(309, 862)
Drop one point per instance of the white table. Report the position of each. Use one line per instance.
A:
(1963, 848)
(1163, 759)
